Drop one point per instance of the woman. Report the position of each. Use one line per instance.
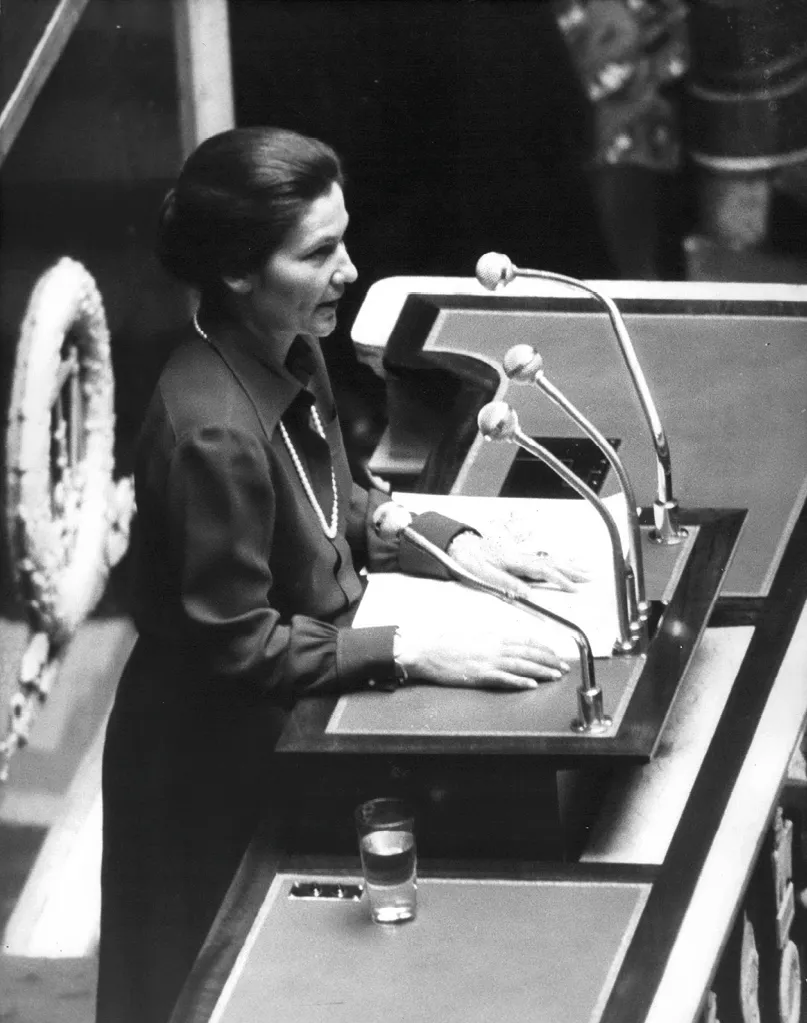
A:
(250, 533)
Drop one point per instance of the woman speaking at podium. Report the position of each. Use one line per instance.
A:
(250, 534)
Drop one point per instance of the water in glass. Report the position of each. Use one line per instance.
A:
(389, 863)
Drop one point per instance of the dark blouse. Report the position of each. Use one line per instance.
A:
(234, 566)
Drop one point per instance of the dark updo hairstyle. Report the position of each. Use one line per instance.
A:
(236, 198)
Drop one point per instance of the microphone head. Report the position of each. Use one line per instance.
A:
(494, 269)
(497, 421)
(390, 519)
(523, 364)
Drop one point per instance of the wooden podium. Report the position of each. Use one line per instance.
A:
(683, 788)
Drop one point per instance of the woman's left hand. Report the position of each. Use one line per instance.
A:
(506, 562)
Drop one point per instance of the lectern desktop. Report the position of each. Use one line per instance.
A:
(666, 811)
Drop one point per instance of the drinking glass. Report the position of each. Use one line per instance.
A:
(386, 832)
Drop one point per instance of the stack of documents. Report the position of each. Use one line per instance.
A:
(568, 529)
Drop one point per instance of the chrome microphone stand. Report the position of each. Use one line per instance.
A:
(494, 269)
(524, 365)
(499, 422)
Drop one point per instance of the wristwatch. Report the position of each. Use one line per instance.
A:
(399, 676)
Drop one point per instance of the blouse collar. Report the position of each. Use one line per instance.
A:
(273, 392)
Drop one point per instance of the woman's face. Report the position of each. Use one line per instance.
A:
(298, 288)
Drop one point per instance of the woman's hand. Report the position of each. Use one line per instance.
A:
(507, 561)
(476, 659)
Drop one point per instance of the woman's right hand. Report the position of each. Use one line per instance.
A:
(477, 659)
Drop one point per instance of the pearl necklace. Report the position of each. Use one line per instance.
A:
(328, 528)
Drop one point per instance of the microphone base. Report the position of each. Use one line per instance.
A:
(666, 530)
(628, 646)
(594, 728)
(591, 720)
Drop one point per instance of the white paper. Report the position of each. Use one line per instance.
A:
(567, 529)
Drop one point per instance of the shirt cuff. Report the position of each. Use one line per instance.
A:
(440, 531)
(364, 658)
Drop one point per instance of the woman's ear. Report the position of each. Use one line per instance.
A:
(239, 285)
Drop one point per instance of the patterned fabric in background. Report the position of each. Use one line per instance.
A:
(626, 53)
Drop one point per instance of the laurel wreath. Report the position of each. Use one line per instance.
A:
(67, 519)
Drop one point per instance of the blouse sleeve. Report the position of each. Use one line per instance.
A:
(221, 512)
(398, 556)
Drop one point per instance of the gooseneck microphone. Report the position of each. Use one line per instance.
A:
(524, 365)
(498, 422)
(392, 521)
(495, 269)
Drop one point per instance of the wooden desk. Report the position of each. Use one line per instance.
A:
(691, 823)
(481, 948)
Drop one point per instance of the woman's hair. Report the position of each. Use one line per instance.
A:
(236, 198)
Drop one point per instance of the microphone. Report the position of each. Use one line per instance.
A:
(392, 521)
(494, 269)
(524, 365)
(498, 421)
